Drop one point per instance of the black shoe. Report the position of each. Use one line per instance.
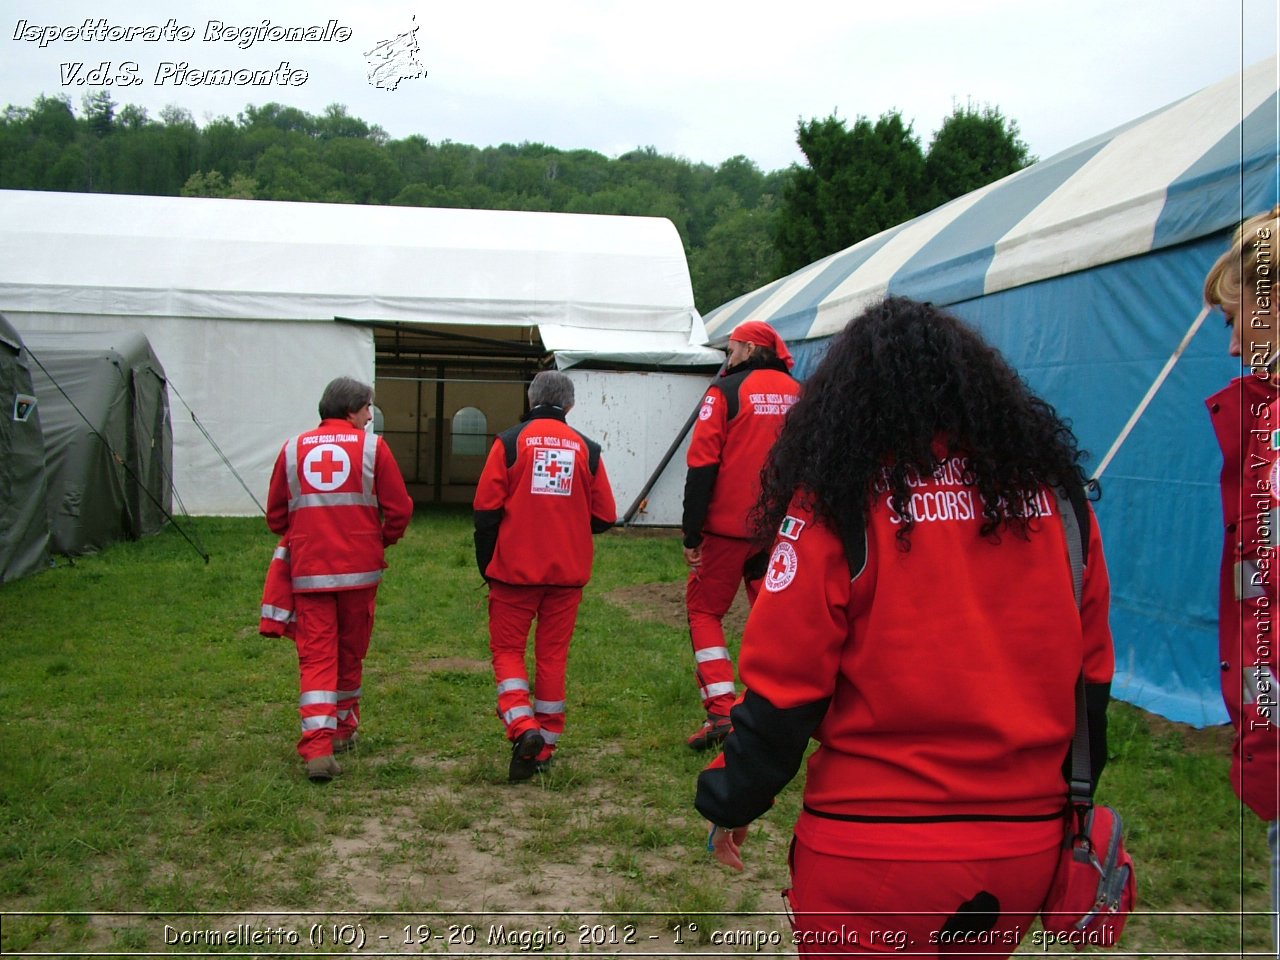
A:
(713, 731)
(524, 753)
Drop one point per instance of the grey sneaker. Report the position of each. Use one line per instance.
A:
(323, 769)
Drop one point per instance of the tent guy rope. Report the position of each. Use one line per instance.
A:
(115, 455)
(1151, 393)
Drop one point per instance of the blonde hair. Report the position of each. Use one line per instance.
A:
(1250, 263)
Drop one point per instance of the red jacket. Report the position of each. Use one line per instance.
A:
(1246, 419)
(939, 681)
(278, 618)
(338, 498)
(738, 423)
(542, 494)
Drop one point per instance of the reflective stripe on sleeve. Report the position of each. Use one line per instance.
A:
(278, 614)
(281, 553)
(711, 653)
(291, 470)
(370, 455)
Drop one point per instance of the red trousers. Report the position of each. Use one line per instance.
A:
(844, 905)
(332, 636)
(708, 595)
(512, 610)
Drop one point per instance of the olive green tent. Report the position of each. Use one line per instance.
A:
(108, 441)
(24, 519)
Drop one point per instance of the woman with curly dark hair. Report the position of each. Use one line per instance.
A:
(919, 621)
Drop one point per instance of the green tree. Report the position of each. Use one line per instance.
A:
(279, 117)
(362, 170)
(857, 183)
(738, 256)
(971, 149)
(213, 184)
(53, 119)
(741, 175)
(638, 199)
(412, 157)
(296, 172)
(337, 124)
(69, 172)
(99, 112)
(133, 117)
(222, 148)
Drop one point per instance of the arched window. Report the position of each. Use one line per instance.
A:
(470, 433)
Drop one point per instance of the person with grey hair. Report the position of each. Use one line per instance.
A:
(544, 491)
(337, 499)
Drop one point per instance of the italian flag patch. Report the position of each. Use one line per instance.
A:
(791, 527)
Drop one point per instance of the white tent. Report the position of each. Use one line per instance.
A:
(252, 306)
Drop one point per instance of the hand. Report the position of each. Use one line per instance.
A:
(727, 846)
(693, 556)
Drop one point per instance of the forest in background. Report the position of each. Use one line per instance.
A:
(741, 227)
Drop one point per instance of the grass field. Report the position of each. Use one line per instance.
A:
(150, 793)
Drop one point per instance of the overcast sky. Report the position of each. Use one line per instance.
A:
(701, 80)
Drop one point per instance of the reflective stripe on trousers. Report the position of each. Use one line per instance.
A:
(512, 611)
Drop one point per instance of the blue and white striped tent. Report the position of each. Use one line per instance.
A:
(1086, 270)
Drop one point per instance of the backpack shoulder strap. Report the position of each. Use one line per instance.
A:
(1073, 508)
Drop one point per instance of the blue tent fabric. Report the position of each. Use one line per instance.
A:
(936, 274)
(1086, 271)
(800, 312)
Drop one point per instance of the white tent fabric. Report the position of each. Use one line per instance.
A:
(239, 299)
(265, 260)
(1086, 271)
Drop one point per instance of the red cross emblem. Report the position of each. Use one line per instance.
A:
(782, 568)
(326, 467)
(553, 472)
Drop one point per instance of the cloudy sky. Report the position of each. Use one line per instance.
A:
(702, 80)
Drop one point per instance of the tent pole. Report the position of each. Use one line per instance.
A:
(1151, 393)
(643, 495)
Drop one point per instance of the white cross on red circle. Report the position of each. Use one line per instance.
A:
(326, 467)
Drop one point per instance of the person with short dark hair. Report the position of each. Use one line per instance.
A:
(919, 620)
(1246, 421)
(543, 493)
(338, 499)
(737, 424)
